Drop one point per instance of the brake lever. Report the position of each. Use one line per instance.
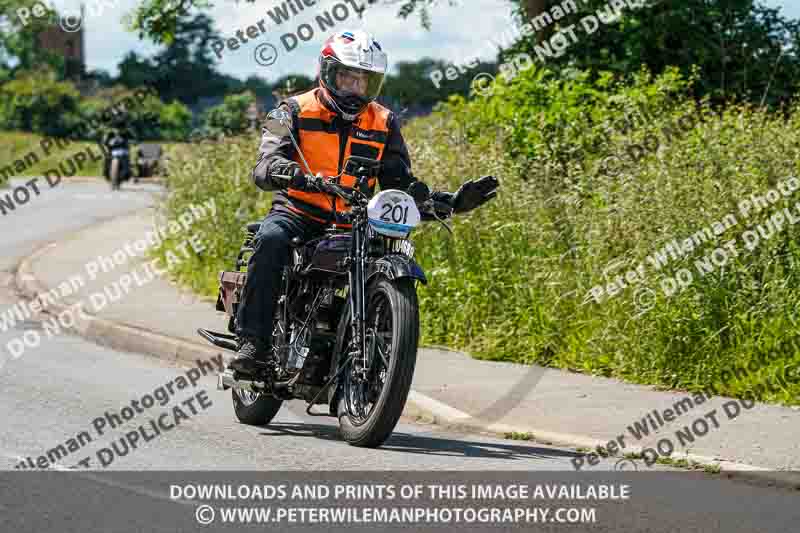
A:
(316, 185)
(443, 223)
(431, 203)
(337, 190)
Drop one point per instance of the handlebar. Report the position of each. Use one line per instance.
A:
(430, 209)
(324, 185)
(328, 186)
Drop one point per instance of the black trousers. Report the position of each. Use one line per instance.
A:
(265, 267)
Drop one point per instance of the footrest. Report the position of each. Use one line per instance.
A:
(222, 340)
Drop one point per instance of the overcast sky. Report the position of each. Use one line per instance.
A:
(457, 33)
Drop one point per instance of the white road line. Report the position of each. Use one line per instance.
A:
(437, 407)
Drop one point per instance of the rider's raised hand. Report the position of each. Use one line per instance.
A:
(474, 193)
(419, 191)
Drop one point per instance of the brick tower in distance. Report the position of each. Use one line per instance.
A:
(65, 38)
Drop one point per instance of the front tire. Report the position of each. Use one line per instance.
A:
(393, 323)
(255, 409)
(115, 172)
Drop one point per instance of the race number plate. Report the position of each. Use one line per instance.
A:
(393, 213)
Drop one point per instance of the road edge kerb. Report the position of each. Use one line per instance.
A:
(129, 338)
(434, 411)
(112, 334)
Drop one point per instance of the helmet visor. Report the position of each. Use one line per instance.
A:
(354, 82)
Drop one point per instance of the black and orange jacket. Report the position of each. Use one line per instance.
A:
(326, 141)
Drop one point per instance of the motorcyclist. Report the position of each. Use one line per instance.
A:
(116, 138)
(337, 119)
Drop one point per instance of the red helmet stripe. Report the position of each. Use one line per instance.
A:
(328, 51)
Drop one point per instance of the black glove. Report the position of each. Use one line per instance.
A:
(442, 202)
(419, 191)
(474, 193)
(298, 178)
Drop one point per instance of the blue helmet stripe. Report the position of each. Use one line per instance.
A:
(390, 226)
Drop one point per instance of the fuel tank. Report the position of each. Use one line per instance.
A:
(326, 255)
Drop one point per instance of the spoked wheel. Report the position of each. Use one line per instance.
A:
(374, 391)
(364, 386)
(254, 408)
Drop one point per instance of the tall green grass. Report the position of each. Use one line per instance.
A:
(219, 170)
(17, 145)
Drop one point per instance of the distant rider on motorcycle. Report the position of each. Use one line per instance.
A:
(117, 138)
(331, 122)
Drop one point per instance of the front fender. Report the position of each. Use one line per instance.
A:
(396, 266)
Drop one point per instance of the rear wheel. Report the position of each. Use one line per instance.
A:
(373, 398)
(254, 408)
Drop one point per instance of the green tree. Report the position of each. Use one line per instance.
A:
(230, 117)
(184, 69)
(146, 118)
(100, 77)
(188, 59)
(19, 48)
(159, 20)
(292, 84)
(412, 84)
(743, 49)
(258, 86)
(135, 71)
(175, 121)
(36, 101)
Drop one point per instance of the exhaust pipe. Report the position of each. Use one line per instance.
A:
(226, 381)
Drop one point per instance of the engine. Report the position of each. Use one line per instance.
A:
(313, 315)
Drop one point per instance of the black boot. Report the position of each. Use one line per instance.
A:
(252, 355)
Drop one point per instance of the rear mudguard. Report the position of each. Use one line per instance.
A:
(393, 266)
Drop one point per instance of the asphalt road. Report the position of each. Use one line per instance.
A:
(67, 390)
(55, 391)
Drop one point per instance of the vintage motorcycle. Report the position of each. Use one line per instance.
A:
(118, 164)
(346, 324)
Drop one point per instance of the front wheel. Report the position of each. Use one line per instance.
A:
(115, 172)
(374, 395)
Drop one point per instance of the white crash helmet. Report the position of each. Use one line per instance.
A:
(355, 51)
